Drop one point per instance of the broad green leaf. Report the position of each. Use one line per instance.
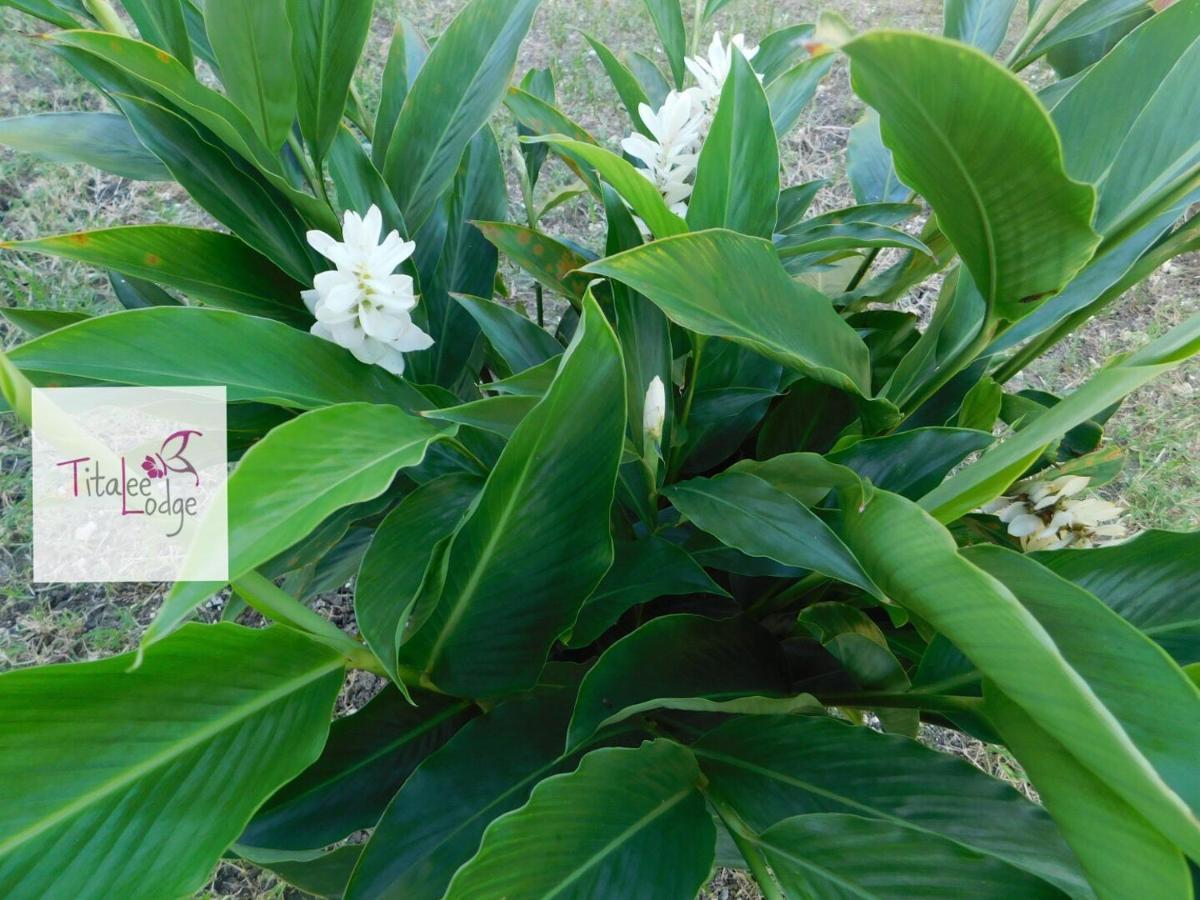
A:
(327, 40)
(637, 191)
(627, 86)
(825, 239)
(712, 7)
(538, 117)
(728, 285)
(520, 343)
(455, 92)
(242, 201)
(841, 855)
(360, 186)
(296, 476)
(421, 839)
(124, 783)
(368, 756)
(982, 150)
(737, 177)
(858, 644)
(1145, 91)
(499, 415)
(677, 657)
(759, 519)
(988, 478)
(137, 293)
(780, 50)
(400, 550)
(163, 24)
(36, 322)
(1122, 853)
(468, 265)
(791, 91)
(552, 263)
(1089, 18)
(406, 54)
(99, 139)
(320, 873)
(158, 72)
(916, 563)
(1155, 703)
(213, 267)
(808, 477)
(625, 819)
(183, 345)
(981, 23)
(46, 10)
(650, 77)
(869, 166)
(911, 463)
(1150, 581)
(794, 202)
(773, 768)
(532, 382)
(532, 548)
(642, 570)
(668, 21)
(253, 46)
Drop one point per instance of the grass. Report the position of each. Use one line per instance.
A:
(1157, 427)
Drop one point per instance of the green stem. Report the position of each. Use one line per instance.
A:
(315, 182)
(1039, 21)
(862, 270)
(747, 843)
(279, 606)
(697, 21)
(986, 332)
(774, 602)
(689, 396)
(106, 16)
(357, 113)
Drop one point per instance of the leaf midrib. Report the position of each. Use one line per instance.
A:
(132, 774)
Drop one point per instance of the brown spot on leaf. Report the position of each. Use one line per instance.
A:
(153, 259)
(80, 239)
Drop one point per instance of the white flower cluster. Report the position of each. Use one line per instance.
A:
(361, 304)
(1044, 515)
(680, 125)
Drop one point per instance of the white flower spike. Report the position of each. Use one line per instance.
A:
(361, 304)
(710, 73)
(1044, 517)
(654, 411)
(671, 156)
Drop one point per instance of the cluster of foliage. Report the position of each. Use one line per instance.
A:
(620, 574)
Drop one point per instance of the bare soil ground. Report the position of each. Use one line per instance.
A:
(1157, 427)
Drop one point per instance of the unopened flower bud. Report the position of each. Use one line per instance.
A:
(654, 411)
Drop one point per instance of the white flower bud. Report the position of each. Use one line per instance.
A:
(654, 411)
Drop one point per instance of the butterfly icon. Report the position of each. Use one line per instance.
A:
(151, 467)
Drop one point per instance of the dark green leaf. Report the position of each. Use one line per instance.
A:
(406, 54)
(759, 519)
(981, 23)
(103, 750)
(208, 265)
(641, 571)
(253, 46)
(672, 658)
(869, 164)
(327, 40)
(532, 548)
(183, 345)
(455, 92)
(911, 463)
(774, 768)
(36, 322)
(791, 91)
(551, 262)
(1151, 581)
(727, 285)
(668, 20)
(628, 88)
(625, 819)
(842, 855)
(982, 150)
(163, 24)
(737, 177)
(368, 756)
(520, 343)
(99, 139)
(422, 839)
